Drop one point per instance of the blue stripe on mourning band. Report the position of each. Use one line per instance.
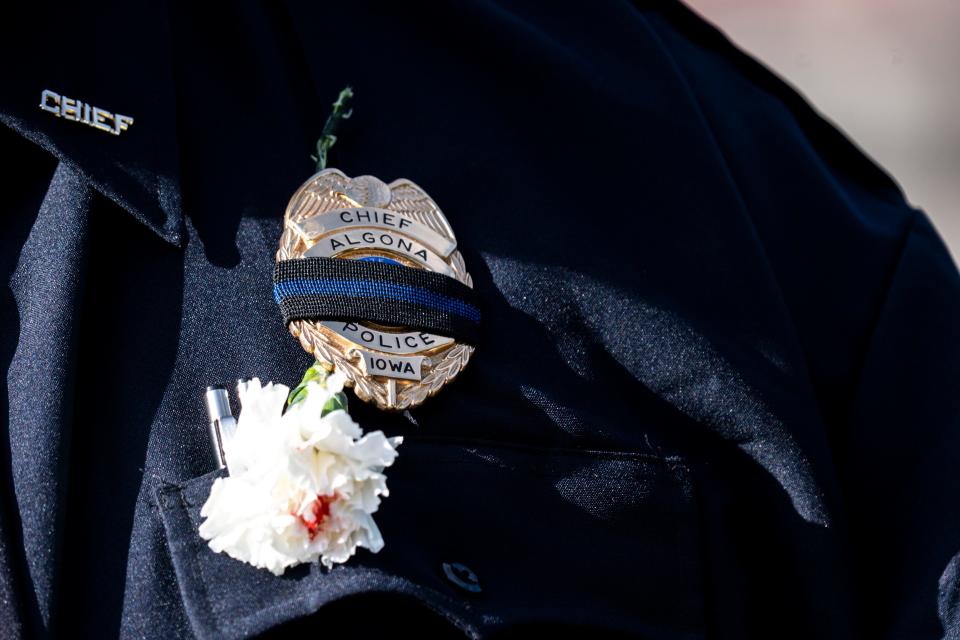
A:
(375, 289)
(378, 259)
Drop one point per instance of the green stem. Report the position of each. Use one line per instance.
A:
(328, 136)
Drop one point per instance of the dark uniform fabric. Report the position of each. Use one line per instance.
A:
(715, 392)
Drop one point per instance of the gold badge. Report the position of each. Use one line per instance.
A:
(397, 259)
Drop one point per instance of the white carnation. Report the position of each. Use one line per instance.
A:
(301, 486)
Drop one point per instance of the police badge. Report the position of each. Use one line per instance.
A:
(369, 279)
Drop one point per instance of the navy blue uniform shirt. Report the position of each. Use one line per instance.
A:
(716, 388)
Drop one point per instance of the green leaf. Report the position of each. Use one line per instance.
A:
(337, 401)
(315, 372)
(298, 394)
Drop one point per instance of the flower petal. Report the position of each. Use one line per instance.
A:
(302, 485)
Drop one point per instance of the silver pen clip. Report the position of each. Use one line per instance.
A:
(223, 426)
(222, 423)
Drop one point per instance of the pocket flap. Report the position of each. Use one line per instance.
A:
(490, 537)
(226, 598)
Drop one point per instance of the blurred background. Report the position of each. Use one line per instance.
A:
(886, 72)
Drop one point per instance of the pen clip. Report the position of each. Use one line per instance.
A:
(222, 423)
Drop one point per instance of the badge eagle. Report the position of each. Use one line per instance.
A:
(334, 216)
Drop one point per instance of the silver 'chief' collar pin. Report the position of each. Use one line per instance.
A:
(72, 109)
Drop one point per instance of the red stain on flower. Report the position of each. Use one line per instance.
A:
(316, 513)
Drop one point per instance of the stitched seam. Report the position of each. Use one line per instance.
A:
(693, 567)
(880, 313)
(533, 450)
(521, 469)
(408, 588)
(197, 548)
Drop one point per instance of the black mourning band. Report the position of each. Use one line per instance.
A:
(319, 288)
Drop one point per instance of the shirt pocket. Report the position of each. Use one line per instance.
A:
(492, 537)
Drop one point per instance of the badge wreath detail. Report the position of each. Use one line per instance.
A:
(303, 478)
